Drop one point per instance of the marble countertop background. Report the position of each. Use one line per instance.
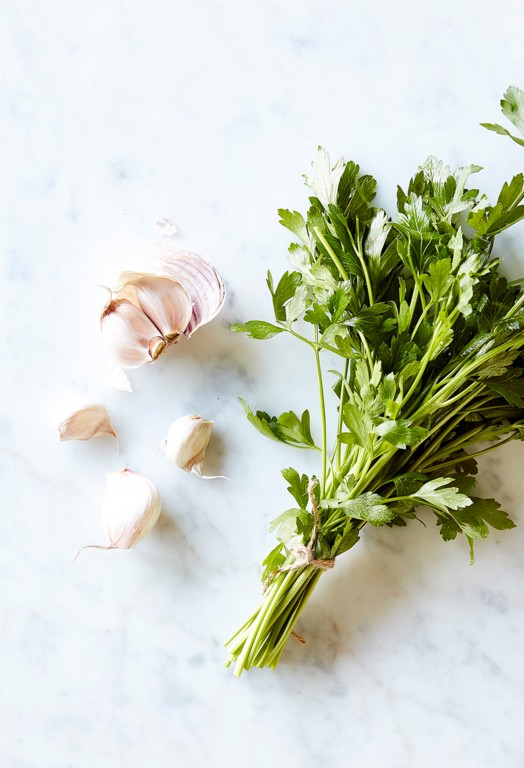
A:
(113, 115)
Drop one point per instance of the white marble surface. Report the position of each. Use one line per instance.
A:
(113, 115)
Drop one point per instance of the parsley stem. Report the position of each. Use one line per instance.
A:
(421, 318)
(420, 290)
(490, 447)
(338, 445)
(516, 306)
(364, 476)
(329, 249)
(322, 417)
(422, 368)
(367, 351)
(473, 386)
(358, 251)
(451, 447)
(447, 424)
(311, 344)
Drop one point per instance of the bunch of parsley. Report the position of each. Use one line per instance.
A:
(430, 339)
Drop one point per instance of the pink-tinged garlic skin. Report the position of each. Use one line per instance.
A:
(144, 316)
(131, 508)
(86, 422)
(199, 278)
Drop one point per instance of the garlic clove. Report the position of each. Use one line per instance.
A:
(200, 279)
(129, 335)
(187, 440)
(186, 443)
(130, 509)
(164, 301)
(85, 422)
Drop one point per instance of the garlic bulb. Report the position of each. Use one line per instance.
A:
(145, 316)
(186, 443)
(85, 422)
(149, 312)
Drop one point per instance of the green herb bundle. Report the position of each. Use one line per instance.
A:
(430, 339)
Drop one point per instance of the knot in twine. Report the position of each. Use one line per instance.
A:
(304, 555)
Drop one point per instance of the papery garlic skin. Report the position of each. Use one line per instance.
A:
(89, 421)
(186, 443)
(130, 509)
(200, 279)
(116, 378)
(144, 317)
(167, 227)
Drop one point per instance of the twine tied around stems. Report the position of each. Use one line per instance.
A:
(304, 554)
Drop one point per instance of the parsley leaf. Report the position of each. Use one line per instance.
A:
(435, 494)
(285, 290)
(400, 433)
(298, 486)
(366, 507)
(257, 329)
(286, 428)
